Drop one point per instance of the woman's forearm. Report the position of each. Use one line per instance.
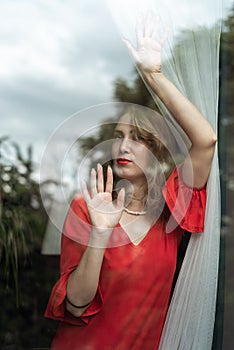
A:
(104, 215)
(201, 134)
(185, 113)
(83, 281)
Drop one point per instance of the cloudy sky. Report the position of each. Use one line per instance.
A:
(56, 58)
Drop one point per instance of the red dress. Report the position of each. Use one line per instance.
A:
(130, 306)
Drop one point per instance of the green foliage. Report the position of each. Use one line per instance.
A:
(226, 76)
(104, 133)
(227, 42)
(133, 93)
(226, 151)
(26, 281)
(13, 247)
(20, 201)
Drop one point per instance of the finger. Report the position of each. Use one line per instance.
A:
(148, 25)
(100, 184)
(93, 183)
(139, 33)
(85, 192)
(131, 49)
(120, 199)
(154, 34)
(109, 180)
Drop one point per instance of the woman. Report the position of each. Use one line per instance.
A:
(116, 296)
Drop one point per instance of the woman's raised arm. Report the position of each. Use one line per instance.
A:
(202, 136)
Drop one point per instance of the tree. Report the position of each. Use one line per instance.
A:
(19, 196)
(23, 220)
(226, 151)
(133, 93)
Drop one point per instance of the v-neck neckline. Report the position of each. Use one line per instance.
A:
(143, 240)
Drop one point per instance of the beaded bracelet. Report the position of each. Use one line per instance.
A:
(76, 306)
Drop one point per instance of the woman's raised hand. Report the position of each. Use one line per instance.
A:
(104, 212)
(148, 54)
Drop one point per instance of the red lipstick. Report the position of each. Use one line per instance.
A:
(123, 161)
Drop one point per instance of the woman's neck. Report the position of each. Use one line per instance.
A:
(135, 198)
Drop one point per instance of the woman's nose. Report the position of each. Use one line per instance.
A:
(125, 145)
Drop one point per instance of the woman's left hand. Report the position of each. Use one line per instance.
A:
(148, 54)
(104, 212)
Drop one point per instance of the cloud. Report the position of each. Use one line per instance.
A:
(56, 58)
(42, 39)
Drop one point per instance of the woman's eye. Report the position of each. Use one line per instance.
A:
(117, 137)
(139, 138)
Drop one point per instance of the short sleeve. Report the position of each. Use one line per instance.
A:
(71, 253)
(186, 204)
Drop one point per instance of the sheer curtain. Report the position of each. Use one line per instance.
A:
(191, 61)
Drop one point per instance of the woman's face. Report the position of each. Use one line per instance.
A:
(129, 153)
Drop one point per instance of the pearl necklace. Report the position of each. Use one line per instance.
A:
(134, 212)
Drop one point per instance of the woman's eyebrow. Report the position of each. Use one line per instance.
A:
(116, 131)
(121, 131)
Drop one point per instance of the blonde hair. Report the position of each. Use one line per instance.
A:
(152, 128)
(159, 139)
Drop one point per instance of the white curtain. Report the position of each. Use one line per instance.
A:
(191, 61)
